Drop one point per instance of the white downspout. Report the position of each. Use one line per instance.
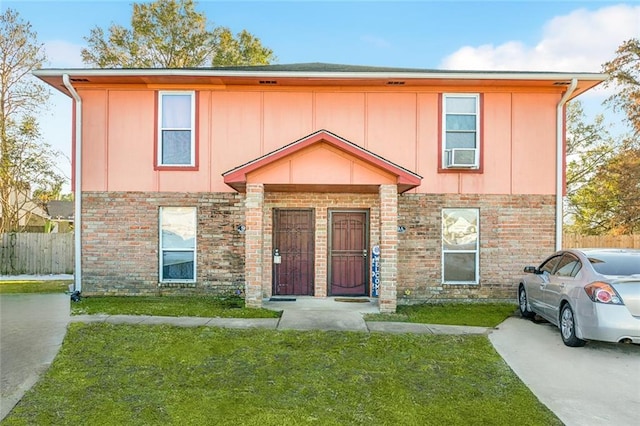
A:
(77, 219)
(559, 159)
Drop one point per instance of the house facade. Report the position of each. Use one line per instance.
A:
(316, 180)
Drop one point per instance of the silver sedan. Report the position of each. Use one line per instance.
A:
(590, 294)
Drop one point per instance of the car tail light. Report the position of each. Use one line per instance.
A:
(600, 292)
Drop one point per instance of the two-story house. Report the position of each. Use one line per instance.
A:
(315, 179)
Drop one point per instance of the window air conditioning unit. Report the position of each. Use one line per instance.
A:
(460, 157)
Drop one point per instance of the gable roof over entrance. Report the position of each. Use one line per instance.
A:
(321, 162)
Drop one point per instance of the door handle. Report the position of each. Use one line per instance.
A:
(364, 252)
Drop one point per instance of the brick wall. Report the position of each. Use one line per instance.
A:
(120, 242)
(515, 230)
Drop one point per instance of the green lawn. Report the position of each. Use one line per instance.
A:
(171, 306)
(162, 375)
(474, 314)
(34, 286)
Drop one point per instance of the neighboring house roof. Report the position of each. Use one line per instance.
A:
(60, 210)
(318, 74)
(405, 179)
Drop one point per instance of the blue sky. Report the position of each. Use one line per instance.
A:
(479, 35)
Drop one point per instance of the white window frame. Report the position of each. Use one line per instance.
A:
(475, 250)
(445, 150)
(191, 128)
(162, 249)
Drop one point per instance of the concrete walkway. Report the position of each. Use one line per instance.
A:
(290, 320)
(595, 385)
(32, 327)
(305, 313)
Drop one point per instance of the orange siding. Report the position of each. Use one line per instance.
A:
(320, 164)
(239, 125)
(236, 132)
(130, 137)
(533, 144)
(342, 114)
(287, 117)
(391, 127)
(94, 140)
(495, 147)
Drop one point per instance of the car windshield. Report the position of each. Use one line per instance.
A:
(615, 263)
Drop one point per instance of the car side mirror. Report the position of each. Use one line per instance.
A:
(531, 270)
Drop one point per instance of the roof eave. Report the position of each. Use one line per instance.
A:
(435, 75)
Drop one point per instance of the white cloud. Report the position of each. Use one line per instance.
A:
(62, 54)
(581, 41)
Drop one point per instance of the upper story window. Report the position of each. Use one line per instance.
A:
(460, 131)
(176, 129)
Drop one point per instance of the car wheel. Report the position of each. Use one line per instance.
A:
(523, 302)
(568, 327)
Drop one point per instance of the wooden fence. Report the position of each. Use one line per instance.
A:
(36, 254)
(596, 241)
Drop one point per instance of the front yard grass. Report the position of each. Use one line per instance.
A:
(163, 375)
(473, 314)
(171, 306)
(56, 286)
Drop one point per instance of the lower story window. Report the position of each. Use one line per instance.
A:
(460, 246)
(178, 244)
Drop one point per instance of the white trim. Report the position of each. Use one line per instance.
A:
(162, 249)
(560, 160)
(418, 74)
(477, 132)
(192, 129)
(445, 251)
(77, 197)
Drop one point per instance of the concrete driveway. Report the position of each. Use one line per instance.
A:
(595, 385)
(32, 327)
(598, 384)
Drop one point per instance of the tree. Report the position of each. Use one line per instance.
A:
(603, 178)
(26, 163)
(610, 202)
(624, 73)
(171, 34)
(588, 146)
(603, 174)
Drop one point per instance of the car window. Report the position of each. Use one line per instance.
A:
(615, 263)
(568, 266)
(550, 264)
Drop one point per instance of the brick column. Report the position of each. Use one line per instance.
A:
(388, 247)
(253, 203)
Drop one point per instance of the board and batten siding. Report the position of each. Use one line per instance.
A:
(36, 254)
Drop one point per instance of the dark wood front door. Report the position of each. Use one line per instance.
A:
(348, 253)
(293, 252)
